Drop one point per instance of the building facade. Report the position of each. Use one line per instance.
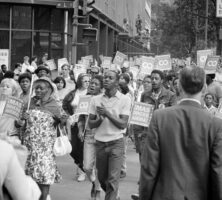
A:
(33, 27)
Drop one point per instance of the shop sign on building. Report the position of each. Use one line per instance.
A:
(4, 57)
(219, 8)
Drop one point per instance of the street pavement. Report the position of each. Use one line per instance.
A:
(70, 189)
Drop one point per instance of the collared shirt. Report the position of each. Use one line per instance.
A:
(117, 105)
(190, 99)
(211, 109)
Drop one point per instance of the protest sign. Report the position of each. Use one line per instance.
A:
(137, 61)
(86, 61)
(163, 62)
(211, 64)
(202, 57)
(147, 65)
(13, 107)
(135, 71)
(141, 114)
(51, 64)
(83, 106)
(4, 57)
(106, 63)
(61, 62)
(79, 69)
(119, 58)
(219, 111)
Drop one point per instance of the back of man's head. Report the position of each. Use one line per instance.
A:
(192, 80)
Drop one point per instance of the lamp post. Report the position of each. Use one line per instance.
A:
(206, 24)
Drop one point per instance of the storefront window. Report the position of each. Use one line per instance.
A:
(40, 43)
(57, 23)
(21, 46)
(42, 18)
(4, 16)
(56, 41)
(21, 17)
(4, 38)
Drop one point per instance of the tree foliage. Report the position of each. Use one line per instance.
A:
(179, 29)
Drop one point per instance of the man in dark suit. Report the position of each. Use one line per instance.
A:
(182, 158)
(2, 73)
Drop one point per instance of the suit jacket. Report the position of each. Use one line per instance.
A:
(182, 157)
(1, 76)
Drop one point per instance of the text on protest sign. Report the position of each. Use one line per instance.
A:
(13, 107)
(219, 8)
(141, 114)
(51, 64)
(147, 65)
(202, 57)
(106, 63)
(79, 69)
(119, 58)
(61, 62)
(163, 62)
(211, 64)
(83, 106)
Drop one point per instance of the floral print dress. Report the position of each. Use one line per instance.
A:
(39, 138)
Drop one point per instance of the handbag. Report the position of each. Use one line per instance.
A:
(62, 146)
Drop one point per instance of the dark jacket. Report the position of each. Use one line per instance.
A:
(167, 98)
(182, 157)
(66, 103)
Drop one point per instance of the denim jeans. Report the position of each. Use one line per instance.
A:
(89, 163)
(109, 158)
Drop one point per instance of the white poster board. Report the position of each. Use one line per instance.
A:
(4, 57)
(202, 57)
(61, 62)
(219, 8)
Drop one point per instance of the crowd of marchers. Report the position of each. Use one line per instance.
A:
(180, 151)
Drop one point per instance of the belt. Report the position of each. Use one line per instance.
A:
(109, 142)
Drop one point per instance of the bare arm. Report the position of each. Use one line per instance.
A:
(94, 122)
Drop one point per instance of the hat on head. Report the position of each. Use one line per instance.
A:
(42, 67)
(46, 79)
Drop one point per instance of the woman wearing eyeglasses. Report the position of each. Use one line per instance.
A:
(70, 104)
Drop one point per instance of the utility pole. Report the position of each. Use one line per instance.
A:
(75, 31)
(206, 24)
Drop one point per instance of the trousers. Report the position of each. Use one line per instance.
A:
(109, 158)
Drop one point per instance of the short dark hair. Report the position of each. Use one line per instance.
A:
(34, 57)
(17, 65)
(9, 74)
(117, 75)
(99, 78)
(126, 77)
(3, 65)
(192, 79)
(156, 71)
(24, 75)
(58, 79)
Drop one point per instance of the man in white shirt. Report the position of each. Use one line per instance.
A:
(109, 113)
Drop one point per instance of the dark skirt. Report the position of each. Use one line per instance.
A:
(77, 147)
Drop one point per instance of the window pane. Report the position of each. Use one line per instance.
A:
(57, 20)
(4, 38)
(21, 46)
(56, 41)
(4, 16)
(42, 18)
(56, 53)
(41, 43)
(21, 17)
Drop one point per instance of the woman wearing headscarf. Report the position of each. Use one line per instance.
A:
(40, 135)
(70, 104)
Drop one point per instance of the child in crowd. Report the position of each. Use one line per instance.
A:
(209, 103)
